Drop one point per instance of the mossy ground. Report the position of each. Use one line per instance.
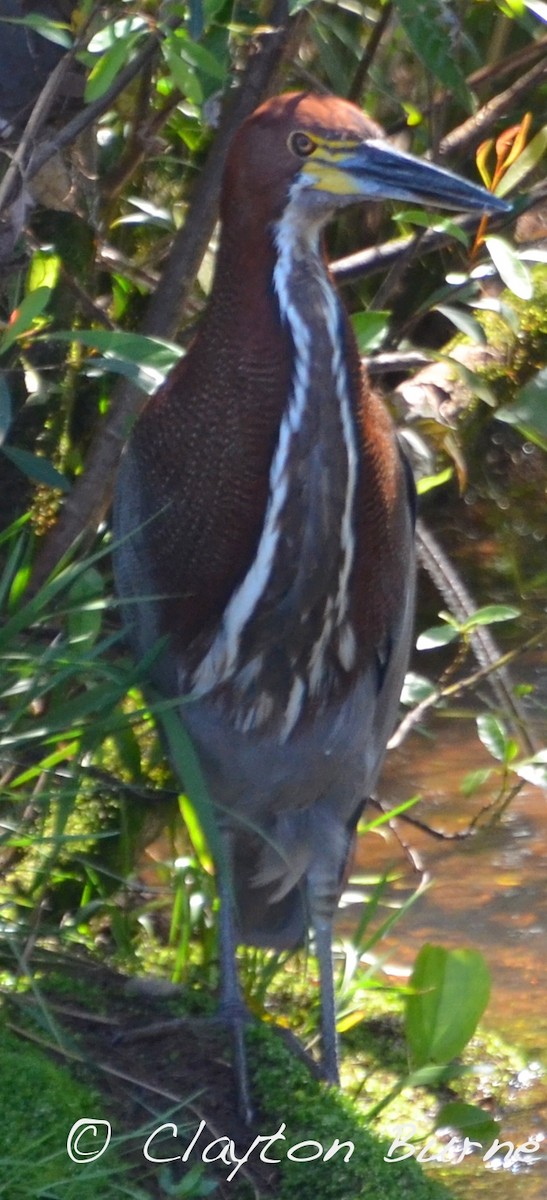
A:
(181, 1075)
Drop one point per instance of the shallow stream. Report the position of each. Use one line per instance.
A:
(489, 892)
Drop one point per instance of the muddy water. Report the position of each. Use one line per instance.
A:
(490, 893)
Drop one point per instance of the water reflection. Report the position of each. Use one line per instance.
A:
(488, 893)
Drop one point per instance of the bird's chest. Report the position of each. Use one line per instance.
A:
(285, 638)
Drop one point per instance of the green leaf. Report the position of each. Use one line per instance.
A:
(428, 482)
(370, 329)
(23, 317)
(464, 321)
(474, 780)
(36, 468)
(134, 347)
(118, 31)
(145, 360)
(183, 73)
(416, 216)
(424, 22)
(109, 66)
(128, 751)
(45, 269)
(416, 688)
(437, 635)
(509, 266)
(490, 614)
(85, 616)
(54, 31)
(530, 158)
(470, 1120)
(528, 412)
(198, 56)
(450, 993)
(493, 735)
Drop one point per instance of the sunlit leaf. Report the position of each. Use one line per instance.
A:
(131, 347)
(109, 66)
(115, 33)
(531, 156)
(437, 635)
(416, 688)
(416, 216)
(184, 74)
(370, 329)
(509, 266)
(45, 268)
(413, 115)
(450, 990)
(534, 770)
(53, 31)
(199, 56)
(428, 482)
(493, 735)
(512, 141)
(481, 159)
(475, 382)
(489, 614)
(22, 319)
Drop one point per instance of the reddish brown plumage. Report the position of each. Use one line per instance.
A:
(264, 523)
(206, 441)
(319, 650)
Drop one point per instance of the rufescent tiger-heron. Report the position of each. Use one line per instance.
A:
(264, 522)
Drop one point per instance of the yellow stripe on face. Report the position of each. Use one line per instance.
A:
(327, 177)
(322, 167)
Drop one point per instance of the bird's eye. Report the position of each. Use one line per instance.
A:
(301, 144)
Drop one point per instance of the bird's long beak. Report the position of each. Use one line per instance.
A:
(374, 170)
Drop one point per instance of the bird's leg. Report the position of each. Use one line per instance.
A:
(232, 1008)
(323, 949)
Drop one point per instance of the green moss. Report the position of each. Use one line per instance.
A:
(39, 1104)
(312, 1112)
(523, 349)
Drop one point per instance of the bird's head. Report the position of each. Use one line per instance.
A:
(324, 153)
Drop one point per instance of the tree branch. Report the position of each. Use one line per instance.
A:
(463, 138)
(90, 498)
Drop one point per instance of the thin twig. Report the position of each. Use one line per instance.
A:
(40, 112)
(415, 715)
(461, 604)
(369, 53)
